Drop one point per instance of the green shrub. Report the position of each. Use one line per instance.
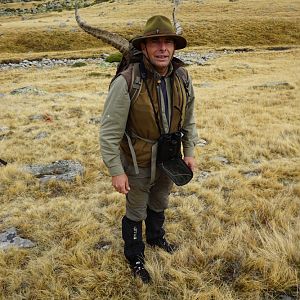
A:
(115, 57)
(78, 64)
(97, 74)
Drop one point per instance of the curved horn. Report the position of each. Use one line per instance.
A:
(176, 23)
(113, 39)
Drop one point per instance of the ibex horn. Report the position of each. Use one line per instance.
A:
(113, 39)
(176, 23)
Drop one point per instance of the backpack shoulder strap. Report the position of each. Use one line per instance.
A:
(134, 80)
(182, 73)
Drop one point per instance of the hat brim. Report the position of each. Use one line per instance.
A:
(179, 41)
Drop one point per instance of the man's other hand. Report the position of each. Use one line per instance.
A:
(120, 183)
(191, 162)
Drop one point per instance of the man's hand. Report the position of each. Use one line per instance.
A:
(120, 183)
(190, 161)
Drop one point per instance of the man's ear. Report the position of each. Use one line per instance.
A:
(143, 48)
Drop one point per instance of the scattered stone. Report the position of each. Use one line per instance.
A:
(36, 117)
(41, 135)
(28, 90)
(4, 128)
(202, 143)
(187, 57)
(256, 161)
(9, 239)
(95, 120)
(4, 132)
(102, 245)
(51, 5)
(45, 117)
(249, 174)
(2, 95)
(190, 58)
(222, 160)
(203, 175)
(280, 85)
(65, 170)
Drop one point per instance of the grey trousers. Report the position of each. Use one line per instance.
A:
(143, 194)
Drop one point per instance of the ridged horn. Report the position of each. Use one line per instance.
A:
(175, 22)
(110, 38)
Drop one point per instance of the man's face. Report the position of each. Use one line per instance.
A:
(159, 51)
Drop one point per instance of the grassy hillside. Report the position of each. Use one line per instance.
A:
(237, 223)
(215, 23)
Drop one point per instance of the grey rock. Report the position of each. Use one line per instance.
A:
(4, 128)
(10, 238)
(256, 161)
(65, 170)
(203, 175)
(2, 95)
(190, 58)
(249, 174)
(222, 160)
(28, 90)
(41, 135)
(103, 246)
(4, 132)
(36, 117)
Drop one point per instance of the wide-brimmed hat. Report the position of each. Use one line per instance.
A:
(160, 26)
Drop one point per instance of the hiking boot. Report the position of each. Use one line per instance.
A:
(140, 271)
(163, 244)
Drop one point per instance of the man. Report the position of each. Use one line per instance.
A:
(129, 131)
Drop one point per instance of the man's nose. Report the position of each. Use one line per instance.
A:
(162, 46)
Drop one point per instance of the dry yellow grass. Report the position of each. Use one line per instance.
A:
(239, 235)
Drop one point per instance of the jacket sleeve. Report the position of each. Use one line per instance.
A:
(190, 138)
(113, 125)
